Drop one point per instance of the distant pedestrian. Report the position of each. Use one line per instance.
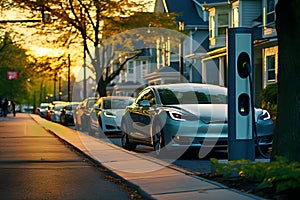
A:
(13, 105)
(1, 108)
(5, 107)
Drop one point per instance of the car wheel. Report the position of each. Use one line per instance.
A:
(89, 128)
(264, 151)
(124, 139)
(158, 139)
(63, 120)
(100, 130)
(77, 126)
(84, 124)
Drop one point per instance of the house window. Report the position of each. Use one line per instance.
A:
(222, 24)
(235, 17)
(130, 68)
(144, 67)
(212, 27)
(270, 7)
(270, 65)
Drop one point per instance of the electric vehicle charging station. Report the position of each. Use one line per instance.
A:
(240, 113)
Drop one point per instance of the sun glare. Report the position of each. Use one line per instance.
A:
(42, 51)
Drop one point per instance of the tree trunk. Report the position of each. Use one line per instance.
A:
(101, 87)
(287, 135)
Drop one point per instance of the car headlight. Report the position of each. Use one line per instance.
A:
(175, 115)
(181, 116)
(264, 115)
(109, 114)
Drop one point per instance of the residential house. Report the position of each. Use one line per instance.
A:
(205, 61)
(192, 21)
(130, 80)
(164, 64)
(258, 15)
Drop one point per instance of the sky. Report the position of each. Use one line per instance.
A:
(34, 43)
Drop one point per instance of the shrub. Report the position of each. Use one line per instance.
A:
(279, 174)
(269, 99)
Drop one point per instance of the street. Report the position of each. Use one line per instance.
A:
(35, 164)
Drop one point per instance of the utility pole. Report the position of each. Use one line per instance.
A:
(69, 82)
(181, 55)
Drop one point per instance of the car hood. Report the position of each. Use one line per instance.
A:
(208, 113)
(117, 112)
(211, 113)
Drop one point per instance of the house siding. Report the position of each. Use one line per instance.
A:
(250, 11)
(258, 75)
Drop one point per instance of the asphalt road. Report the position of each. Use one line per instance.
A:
(34, 164)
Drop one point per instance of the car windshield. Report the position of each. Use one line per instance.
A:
(170, 96)
(71, 107)
(91, 103)
(57, 108)
(116, 103)
(43, 106)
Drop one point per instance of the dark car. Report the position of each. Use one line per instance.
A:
(107, 114)
(42, 109)
(67, 113)
(182, 116)
(82, 113)
(56, 111)
(49, 111)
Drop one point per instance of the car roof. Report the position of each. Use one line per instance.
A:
(117, 97)
(185, 85)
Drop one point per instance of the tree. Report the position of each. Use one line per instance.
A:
(13, 58)
(287, 136)
(93, 22)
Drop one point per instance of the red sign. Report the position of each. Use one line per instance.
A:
(11, 75)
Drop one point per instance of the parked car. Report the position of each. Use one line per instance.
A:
(42, 109)
(107, 113)
(56, 111)
(49, 111)
(67, 113)
(184, 115)
(82, 113)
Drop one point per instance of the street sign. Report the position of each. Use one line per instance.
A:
(240, 63)
(11, 75)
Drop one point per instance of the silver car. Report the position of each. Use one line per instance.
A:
(107, 114)
(184, 115)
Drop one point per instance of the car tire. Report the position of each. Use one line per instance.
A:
(77, 126)
(90, 129)
(84, 124)
(100, 130)
(125, 140)
(63, 120)
(158, 139)
(263, 151)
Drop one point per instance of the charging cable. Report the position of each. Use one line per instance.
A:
(253, 114)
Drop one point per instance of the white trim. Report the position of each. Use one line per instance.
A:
(269, 52)
(165, 6)
(221, 71)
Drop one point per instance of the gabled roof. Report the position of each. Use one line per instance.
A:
(186, 10)
(214, 3)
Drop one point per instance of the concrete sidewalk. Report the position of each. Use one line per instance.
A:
(36, 165)
(154, 177)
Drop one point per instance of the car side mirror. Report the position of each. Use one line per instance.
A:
(96, 107)
(145, 103)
